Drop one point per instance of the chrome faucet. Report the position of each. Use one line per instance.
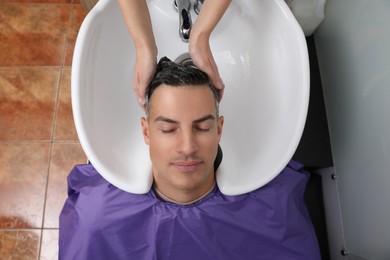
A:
(183, 7)
(185, 21)
(198, 5)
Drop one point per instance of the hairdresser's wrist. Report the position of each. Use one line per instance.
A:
(199, 40)
(146, 48)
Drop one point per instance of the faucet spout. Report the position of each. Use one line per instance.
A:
(185, 21)
(198, 5)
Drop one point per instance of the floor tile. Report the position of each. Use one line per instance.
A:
(33, 34)
(49, 247)
(77, 17)
(23, 175)
(64, 125)
(27, 99)
(19, 244)
(64, 158)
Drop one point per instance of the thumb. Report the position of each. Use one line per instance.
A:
(139, 92)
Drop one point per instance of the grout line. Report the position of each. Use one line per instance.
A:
(40, 244)
(26, 229)
(40, 141)
(35, 3)
(25, 141)
(56, 104)
(68, 29)
(54, 123)
(45, 198)
(35, 67)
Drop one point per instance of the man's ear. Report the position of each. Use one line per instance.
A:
(145, 130)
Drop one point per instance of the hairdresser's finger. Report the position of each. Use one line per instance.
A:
(139, 92)
(210, 68)
(142, 103)
(218, 83)
(221, 92)
(212, 72)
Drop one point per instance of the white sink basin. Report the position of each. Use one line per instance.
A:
(262, 56)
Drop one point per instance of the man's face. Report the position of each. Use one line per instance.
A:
(183, 133)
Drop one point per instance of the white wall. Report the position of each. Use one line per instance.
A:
(353, 45)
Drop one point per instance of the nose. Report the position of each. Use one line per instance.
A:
(187, 143)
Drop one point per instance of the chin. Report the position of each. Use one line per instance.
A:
(190, 180)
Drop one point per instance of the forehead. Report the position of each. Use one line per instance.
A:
(183, 101)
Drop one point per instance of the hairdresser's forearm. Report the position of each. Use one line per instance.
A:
(137, 18)
(210, 14)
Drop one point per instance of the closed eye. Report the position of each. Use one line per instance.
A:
(168, 131)
(200, 129)
(204, 126)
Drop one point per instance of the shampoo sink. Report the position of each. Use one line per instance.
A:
(262, 57)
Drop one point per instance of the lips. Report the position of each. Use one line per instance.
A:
(187, 166)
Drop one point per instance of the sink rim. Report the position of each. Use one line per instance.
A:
(226, 185)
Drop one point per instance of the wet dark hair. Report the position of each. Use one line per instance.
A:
(178, 75)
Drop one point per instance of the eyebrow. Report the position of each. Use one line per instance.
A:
(204, 118)
(196, 121)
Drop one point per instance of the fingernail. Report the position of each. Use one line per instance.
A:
(141, 101)
(219, 85)
(220, 95)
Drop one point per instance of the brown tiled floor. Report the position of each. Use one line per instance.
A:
(38, 142)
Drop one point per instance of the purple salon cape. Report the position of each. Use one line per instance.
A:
(100, 221)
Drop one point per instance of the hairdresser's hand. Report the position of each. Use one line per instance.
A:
(199, 47)
(145, 67)
(137, 17)
(203, 59)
